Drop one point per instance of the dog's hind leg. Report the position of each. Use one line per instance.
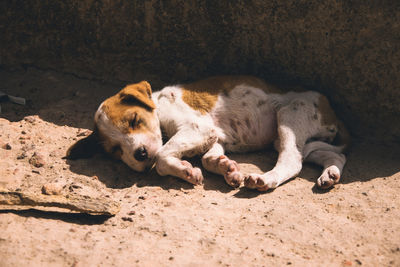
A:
(295, 126)
(187, 142)
(332, 162)
(217, 162)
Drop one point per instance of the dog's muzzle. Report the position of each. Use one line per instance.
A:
(141, 154)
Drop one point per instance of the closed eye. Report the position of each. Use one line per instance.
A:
(135, 122)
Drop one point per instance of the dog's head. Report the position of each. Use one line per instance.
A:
(126, 126)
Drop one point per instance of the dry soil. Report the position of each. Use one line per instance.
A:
(164, 221)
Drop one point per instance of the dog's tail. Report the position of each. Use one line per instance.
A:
(340, 144)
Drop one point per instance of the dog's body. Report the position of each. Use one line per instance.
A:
(214, 116)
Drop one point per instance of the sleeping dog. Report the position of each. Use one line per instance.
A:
(214, 116)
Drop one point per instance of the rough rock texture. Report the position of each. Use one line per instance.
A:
(72, 203)
(348, 50)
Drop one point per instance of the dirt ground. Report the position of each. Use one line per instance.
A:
(165, 221)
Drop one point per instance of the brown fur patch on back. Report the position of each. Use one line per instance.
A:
(343, 136)
(203, 95)
(328, 117)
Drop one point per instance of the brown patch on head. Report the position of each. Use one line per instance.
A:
(139, 92)
(203, 95)
(131, 108)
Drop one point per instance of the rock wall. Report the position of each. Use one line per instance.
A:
(349, 50)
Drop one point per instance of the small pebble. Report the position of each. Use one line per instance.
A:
(127, 219)
(51, 189)
(347, 263)
(37, 160)
(74, 186)
(30, 119)
(6, 146)
(84, 133)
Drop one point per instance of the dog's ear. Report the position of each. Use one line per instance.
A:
(85, 148)
(139, 93)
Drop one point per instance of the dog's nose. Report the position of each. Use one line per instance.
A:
(141, 154)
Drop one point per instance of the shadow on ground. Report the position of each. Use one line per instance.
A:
(76, 218)
(115, 174)
(65, 99)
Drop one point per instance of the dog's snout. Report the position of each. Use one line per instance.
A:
(141, 154)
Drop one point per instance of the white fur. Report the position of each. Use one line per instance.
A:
(254, 124)
(244, 119)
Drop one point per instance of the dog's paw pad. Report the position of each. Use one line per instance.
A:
(192, 175)
(230, 170)
(261, 182)
(329, 177)
(250, 181)
(234, 179)
(226, 165)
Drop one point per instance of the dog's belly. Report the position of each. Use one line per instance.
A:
(247, 118)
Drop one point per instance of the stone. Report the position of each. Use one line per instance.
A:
(6, 146)
(52, 189)
(344, 49)
(37, 160)
(71, 203)
(30, 119)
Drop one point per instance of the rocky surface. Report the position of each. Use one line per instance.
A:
(165, 221)
(349, 50)
(53, 200)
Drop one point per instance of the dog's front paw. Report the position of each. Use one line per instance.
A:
(191, 174)
(329, 177)
(230, 170)
(262, 182)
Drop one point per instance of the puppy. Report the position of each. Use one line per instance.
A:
(214, 116)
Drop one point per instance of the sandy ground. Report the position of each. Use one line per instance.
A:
(164, 221)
